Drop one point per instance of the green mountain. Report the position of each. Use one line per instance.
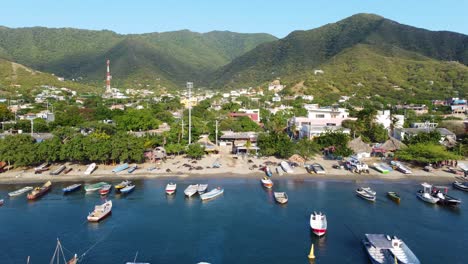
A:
(154, 59)
(16, 77)
(361, 53)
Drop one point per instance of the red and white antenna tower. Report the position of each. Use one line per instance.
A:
(108, 78)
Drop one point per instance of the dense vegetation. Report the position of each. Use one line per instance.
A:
(155, 59)
(364, 55)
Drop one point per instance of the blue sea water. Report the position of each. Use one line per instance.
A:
(244, 225)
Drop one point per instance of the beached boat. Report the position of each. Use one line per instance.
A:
(58, 170)
(202, 188)
(365, 195)
(318, 223)
(425, 194)
(281, 197)
(120, 168)
(441, 192)
(318, 169)
(132, 168)
(191, 190)
(400, 167)
(212, 194)
(460, 185)
(91, 167)
(382, 249)
(268, 171)
(128, 189)
(71, 188)
(39, 191)
(369, 190)
(122, 185)
(100, 211)
(20, 191)
(43, 167)
(94, 187)
(105, 189)
(171, 188)
(394, 197)
(382, 168)
(285, 166)
(152, 168)
(279, 170)
(67, 170)
(267, 182)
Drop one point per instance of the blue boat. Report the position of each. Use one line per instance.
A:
(132, 169)
(71, 188)
(128, 189)
(120, 168)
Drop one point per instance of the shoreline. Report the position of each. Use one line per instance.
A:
(231, 168)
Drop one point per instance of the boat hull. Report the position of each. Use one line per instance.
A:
(97, 219)
(39, 194)
(211, 194)
(20, 191)
(70, 189)
(426, 199)
(394, 197)
(460, 186)
(366, 196)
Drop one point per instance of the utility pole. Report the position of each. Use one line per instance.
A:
(32, 127)
(216, 136)
(189, 87)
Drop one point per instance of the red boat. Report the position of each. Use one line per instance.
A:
(105, 189)
(318, 223)
(39, 191)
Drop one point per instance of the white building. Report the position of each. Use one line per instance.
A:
(276, 98)
(384, 118)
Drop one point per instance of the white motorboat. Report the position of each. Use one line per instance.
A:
(365, 195)
(286, 167)
(212, 194)
(90, 169)
(382, 249)
(100, 211)
(191, 190)
(171, 188)
(202, 188)
(318, 223)
(425, 194)
(267, 182)
(369, 191)
(20, 191)
(461, 185)
(281, 197)
(441, 192)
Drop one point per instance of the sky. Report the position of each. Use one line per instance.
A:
(277, 17)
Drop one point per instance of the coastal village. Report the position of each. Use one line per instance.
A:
(233, 140)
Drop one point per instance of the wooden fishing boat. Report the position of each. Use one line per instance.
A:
(59, 255)
(318, 169)
(128, 189)
(91, 167)
(280, 197)
(39, 191)
(460, 185)
(212, 194)
(95, 186)
(66, 171)
(365, 195)
(120, 168)
(171, 188)
(20, 191)
(58, 170)
(71, 188)
(191, 190)
(100, 211)
(122, 185)
(202, 188)
(285, 166)
(393, 196)
(267, 182)
(132, 169)
(105, 189)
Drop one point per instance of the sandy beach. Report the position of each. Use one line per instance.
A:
(231, 167)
